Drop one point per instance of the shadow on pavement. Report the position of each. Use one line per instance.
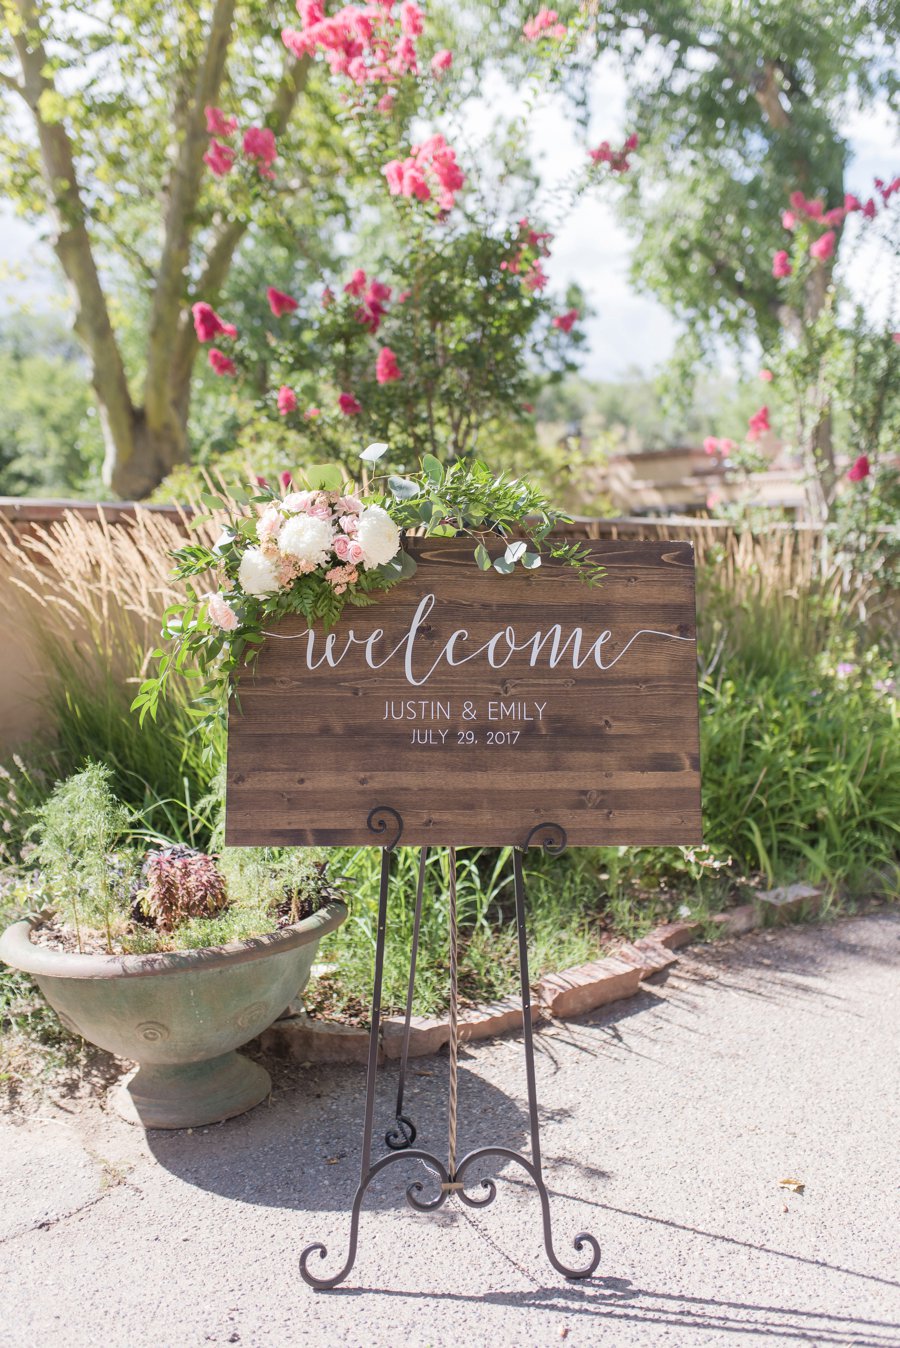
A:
(302, 1149)
(611, 1300)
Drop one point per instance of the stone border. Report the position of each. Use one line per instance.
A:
(574, 992)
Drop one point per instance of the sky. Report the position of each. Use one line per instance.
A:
(629, 331)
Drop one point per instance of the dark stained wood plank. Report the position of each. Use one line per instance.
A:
(469, 720)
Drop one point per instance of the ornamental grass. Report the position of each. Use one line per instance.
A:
(799, 731)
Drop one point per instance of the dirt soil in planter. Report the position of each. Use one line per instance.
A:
(53, 934)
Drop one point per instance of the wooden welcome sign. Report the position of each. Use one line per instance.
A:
(479, 705)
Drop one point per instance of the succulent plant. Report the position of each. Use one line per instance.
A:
(178, 883)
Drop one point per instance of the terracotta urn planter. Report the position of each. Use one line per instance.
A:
(179, 1015)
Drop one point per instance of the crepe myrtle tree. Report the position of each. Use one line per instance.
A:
(448, 342)
(105, 130)
(449, 331)
(735, 107)
(840, 366)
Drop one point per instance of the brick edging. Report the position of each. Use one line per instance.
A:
(573, 992)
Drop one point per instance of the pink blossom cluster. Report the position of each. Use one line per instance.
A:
(617, 160)
(257, 145)
(386, 368)
(545, 22)
(429, 171)
(531, 247)
(370, 44)
(812, 211)
(207, 325)
(288, 402)
(373, 296)
(565, 322)
(718, 445)
(860, 469)
(280, 303)
(758, 424)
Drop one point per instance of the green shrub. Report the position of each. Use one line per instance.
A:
(78, 830)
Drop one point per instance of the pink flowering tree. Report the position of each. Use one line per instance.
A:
(442, 331)
(836, 364)
(119, 132)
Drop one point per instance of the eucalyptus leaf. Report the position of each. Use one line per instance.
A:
(531, 561)
(374, 452)
(433, 469)
(483, 557)
(402, 489)
(503, 566)
(515, 552)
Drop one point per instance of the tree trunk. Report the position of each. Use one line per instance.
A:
(137, 461)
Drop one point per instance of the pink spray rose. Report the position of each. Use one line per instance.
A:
(221, 613)
(441, 61)
(349, 405)
(860, 469)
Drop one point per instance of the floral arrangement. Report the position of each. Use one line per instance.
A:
(314, 550)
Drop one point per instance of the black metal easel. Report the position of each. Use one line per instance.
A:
(402, 1135)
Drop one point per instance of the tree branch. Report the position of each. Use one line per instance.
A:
(178, 222)
(767, 92)
(10, 82)
(72, 243)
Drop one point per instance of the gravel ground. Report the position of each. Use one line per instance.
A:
(667, 1123)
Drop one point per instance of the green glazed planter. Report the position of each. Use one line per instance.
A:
(180, 1016)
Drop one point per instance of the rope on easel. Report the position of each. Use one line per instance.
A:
(454, 1029)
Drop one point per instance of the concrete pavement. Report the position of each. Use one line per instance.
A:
(667, 1123)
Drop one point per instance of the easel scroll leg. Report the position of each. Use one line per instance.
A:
(380, 821)
(403, 1134)
(553, 843)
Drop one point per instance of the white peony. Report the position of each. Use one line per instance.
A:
(378, 536)
(307, 538)
(257, 574)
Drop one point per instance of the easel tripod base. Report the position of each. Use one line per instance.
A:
(450, 1178)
